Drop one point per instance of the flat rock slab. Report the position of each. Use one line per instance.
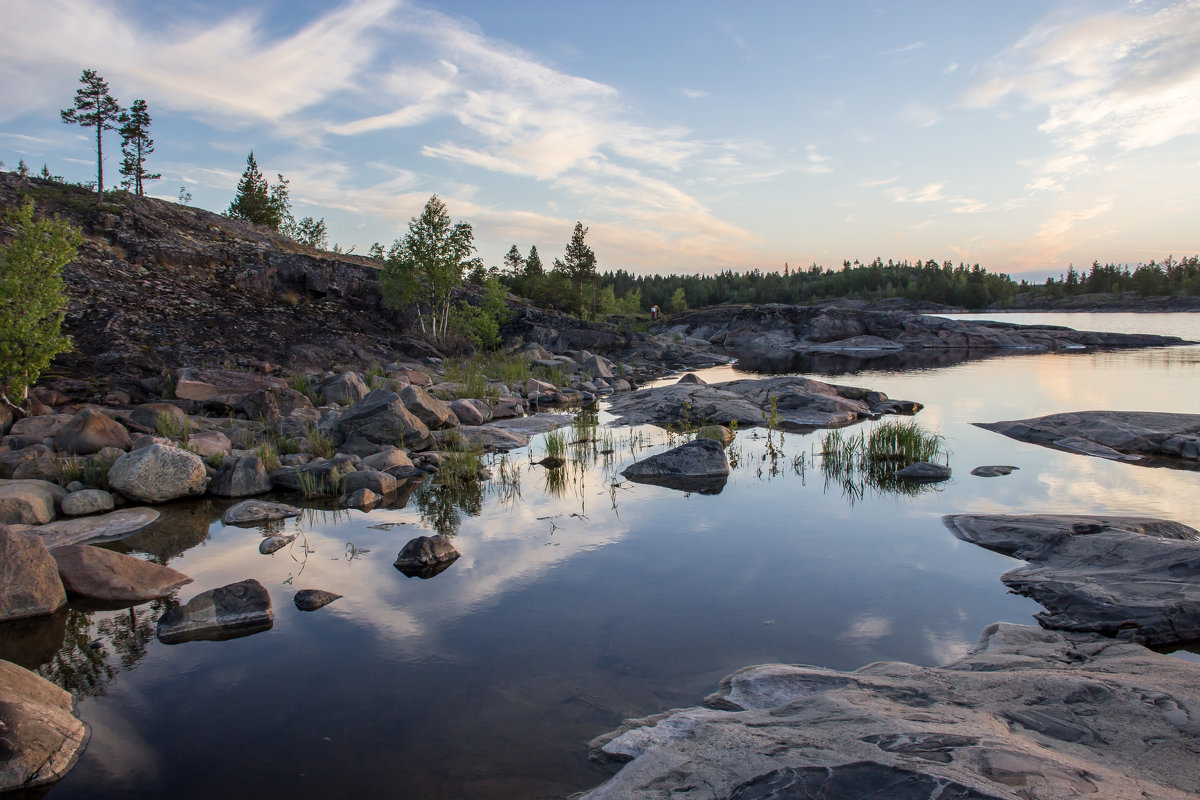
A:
(1028, 715)
(1132, 578)
(696, 466)
(40, 739)
(29, 582)
(255, 512)
(108, 527)
(232, 611)
(114, 578)
(799, 404)
(1150, 437)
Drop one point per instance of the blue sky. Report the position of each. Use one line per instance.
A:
(688, 136)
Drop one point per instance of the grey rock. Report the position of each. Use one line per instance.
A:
(432, 412)
(342, 390)
(209, 443)
(692, 377)
(241, 477)
(381, 417)
(158, 473)
(471, 412)
(29, 582)
(596, 367)
(271, 544)
(109, 577)
(87, 501)
(924, 472)
(41, 738)
(388, 458)
(363, 499)
(256, 512)
(272, 402)
(25, 503)
(112, 526)
(239, 609)
(1029, 714)
(152, 416)
(1130, 578)
(1156, 438)
(312, 599)
(90, 431)
(993, 470)
(324, 474)
(378, 482)
(426, 556)
(699, 465)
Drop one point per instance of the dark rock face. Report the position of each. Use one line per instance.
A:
(239, 609)
(1131, 578)
(29, 582)
(699, 465)
(312, 599)
(113, 578)
(1028, 715)
(90, 431)
(1151, 438)
(40, 739)
(426, 556)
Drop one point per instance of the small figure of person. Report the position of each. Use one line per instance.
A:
(653, 312)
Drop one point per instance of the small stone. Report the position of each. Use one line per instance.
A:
(426, 556)
(312, 599)
(272, 543)
(993, 471)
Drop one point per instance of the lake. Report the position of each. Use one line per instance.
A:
(581, 599)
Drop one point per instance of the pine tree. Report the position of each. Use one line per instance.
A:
(579, 262)
(136, 146)
(533, 264)
(94, 108)
(514, 262)
(256, 201)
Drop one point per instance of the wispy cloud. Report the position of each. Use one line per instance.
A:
(696, 94)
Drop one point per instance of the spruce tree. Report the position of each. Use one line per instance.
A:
(94, 108)
(514, 262)
(257, 202)
(579, 262)
(533, 264)
(136, 146)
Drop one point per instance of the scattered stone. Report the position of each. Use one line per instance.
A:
(25, 503)
(692, 377)
(158, 473)
(90, 431)
(595, 367)
(239, 609)
(209, 443)
(374, 480)
(272, 402)
(1156, 438)
(87, 501)
(993, 471)
(112, 526)
(109, 577)
(696, 466)
(241, 477)
(312, 599)
(534, 388)
(471, 412)
(426, 556)
(275, 542)
(249, 513)
(29, 582)
(924, 472)
(40, 739)
(388, 458)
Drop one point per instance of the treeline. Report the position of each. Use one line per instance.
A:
(1171, 277)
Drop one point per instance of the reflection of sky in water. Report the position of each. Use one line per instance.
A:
(566, 614)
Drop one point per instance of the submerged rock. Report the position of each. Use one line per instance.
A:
(255, 512)
(426, 556)
(109, 577)
(1158, 438)
(29, 582)
(993, 470)
(924, 472)
(696, 466)
(239, 609)
(1029, 714)
(1130, 578)
(40, 739)
(100, 528)
(270, 544)
(312, 599)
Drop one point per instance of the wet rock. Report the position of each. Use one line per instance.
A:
(112, 526)
(90, 431)
(363, 499)
(239, 609)
(1131, 578)
(426, 556)
(109, 577)
(993, 470)
(341, 390)
(87, 501)
(1159, 438)
(1006, 721)
(158, 473)
(271, 544)
(25, 503)
(241, 477)
(29, 582)
(699, 465)
(924, 472)
(40, 739)
(382, 417)
(312, 599)
(250, 513)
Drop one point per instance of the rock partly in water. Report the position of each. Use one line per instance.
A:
(426, 556)
(158, 473)
(1131, 578)
(108, 527)
(924, 472)
(249, 513)
(1152, 438)
(113, 578)
(696, 466)
(40, 739)
(239, 609)
(312, 599)
(271, 544)
(993, 470)
(1029, 714)
(29, 582)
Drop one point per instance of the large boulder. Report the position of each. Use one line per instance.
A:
(426, 556)
(25, 503)
(1156, 438)
(90, 431)
(341, 390)
(387, 458)
(382, 417)
(699, 465)
(109, 577)
(381, 483)
(29, 582)
(595, 367)
(241, 477)
(271, 403)
(40, 739)
(158, 473)
(238, 609)
(427, 408)
(209, 443)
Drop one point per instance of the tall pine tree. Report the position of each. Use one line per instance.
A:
(136, 145)
(94, 108)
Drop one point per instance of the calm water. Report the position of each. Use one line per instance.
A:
(577, 603)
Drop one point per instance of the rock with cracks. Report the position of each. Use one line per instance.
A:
(1151, 438)
(239, 609)
(29, 582)
(40, 739)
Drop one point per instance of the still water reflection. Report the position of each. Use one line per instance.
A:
(581, 599)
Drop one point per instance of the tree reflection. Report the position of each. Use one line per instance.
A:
(442, 505)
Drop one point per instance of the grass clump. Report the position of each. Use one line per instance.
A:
(170, 427)
(873, 459)
(554, 444)
(319, 443)
(304, 385)
(268, 455)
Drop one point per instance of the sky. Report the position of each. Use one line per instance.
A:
(689, 136)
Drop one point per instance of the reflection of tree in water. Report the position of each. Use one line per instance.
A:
(182, 527)
(98, 644)
(442, 506)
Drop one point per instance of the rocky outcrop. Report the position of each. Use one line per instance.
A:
(158, 473)
(696, 466)
(1131, 578)
(1111, 720)
(1146, 437)
(113, 578)
(801, 404)
(29, 582)
(239, 609)
(40, 739)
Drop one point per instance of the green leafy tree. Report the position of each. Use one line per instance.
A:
(136, 146)
(94, 108)
(579, 262)
(32, 301)
(257, 201)
(313, 233)
(424, 267)
(679, 300)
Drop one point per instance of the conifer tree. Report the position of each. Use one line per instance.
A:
(94, 108)
(255, 201)
(533, 264)
(514, 262)
(579, 262)
(136, 146)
